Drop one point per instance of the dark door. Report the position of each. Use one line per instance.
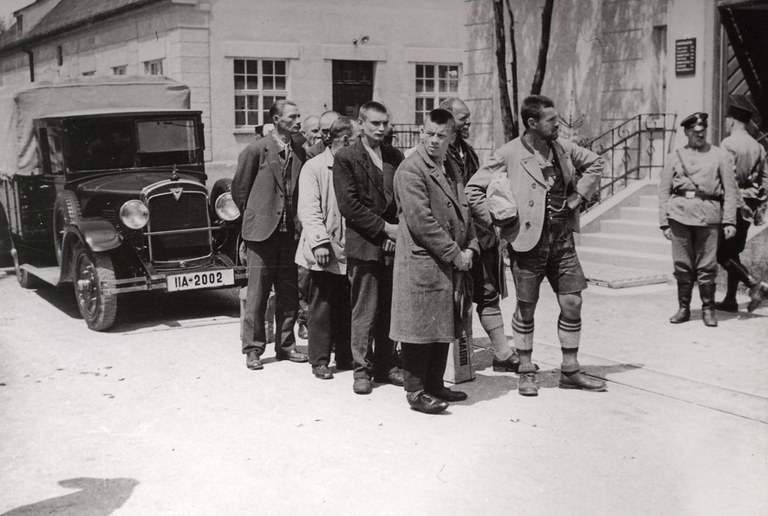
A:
(352, 86)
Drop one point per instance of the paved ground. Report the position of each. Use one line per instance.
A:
(160, 416)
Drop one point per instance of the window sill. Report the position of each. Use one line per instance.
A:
(244, 130)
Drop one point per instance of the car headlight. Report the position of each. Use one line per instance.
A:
(134, 214)
(226, 208)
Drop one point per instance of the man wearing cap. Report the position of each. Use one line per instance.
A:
(697, 194)
(752, 179)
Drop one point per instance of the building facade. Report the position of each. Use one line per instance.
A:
(238, 56)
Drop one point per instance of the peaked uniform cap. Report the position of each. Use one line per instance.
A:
(739, 113)
(697, 121)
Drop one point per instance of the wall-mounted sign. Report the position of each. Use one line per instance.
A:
(685, 56)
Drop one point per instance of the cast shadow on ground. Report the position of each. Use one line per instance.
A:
(139, 310)
(742, 314)
(486, 387)
(95, 497)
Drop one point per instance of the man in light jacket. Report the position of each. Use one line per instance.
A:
(436, 245)
(540, 169)
(321, 250)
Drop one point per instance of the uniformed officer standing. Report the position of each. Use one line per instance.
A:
(752, 179)
(697, 194)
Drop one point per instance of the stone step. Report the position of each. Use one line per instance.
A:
(649, 201)
(639, 213)
(629, 242)
(630, 227)
(618, 257)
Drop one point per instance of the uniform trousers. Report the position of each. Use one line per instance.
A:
(271, 262)
(371, 299)
(424, 366)
(694, 252)
(730, 249)
(328, 318)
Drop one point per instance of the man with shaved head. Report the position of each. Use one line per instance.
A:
(310, 129)
(324, 130)
(488, 271)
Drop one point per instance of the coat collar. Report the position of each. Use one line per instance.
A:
(531, 164)
(438, 175)
(372, 171)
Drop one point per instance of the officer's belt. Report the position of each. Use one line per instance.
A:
(690, 194)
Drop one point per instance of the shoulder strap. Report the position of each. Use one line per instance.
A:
(685, 169)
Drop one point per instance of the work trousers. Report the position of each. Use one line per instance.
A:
(303, 294)
(424, 366)
(271, 262)
(694, 252)
(731, 248)
(328, 318)
(371, 298)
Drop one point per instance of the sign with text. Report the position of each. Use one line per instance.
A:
(685, 56)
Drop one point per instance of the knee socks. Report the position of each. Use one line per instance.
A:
(569, 332)
(493, 324)
(523, 334)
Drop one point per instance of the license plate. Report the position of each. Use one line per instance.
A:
(195, 280)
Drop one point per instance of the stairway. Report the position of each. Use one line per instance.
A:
(629, 250)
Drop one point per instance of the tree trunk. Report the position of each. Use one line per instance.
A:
(541, 66)
(513, 67)
(501, 65)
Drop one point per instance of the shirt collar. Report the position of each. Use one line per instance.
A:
(281, 145)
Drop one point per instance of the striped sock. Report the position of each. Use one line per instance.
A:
(523, 333)
(569, 332)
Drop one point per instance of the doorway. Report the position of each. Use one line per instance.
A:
(352, 86)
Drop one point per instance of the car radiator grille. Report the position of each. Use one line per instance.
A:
(166, 213)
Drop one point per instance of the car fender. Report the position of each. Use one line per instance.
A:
(97, 235)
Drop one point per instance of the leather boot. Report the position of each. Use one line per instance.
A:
(756, 291)
(729, 303)
(684, 291)
(707, 293)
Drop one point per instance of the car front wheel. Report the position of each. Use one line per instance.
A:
(97, 305)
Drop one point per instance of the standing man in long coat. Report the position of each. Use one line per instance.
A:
(435, 248)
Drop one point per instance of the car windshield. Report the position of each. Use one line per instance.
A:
(109, 143)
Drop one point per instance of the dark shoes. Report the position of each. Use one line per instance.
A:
(728, 305)
(395, 377)
(322, 372)
(303, 332)
(362, 385)
(292, 355)
(579, 380)
(709, 318)
(510, 365)
(682, 315)
(422, 402)
(526, 386)
(253, 361)
(447, 394)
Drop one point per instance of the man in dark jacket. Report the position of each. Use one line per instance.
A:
(488, 270)
(264, 188)
(435, 250)
(362, 178)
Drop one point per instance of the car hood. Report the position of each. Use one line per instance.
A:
(126, 183)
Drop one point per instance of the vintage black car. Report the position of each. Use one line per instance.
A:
(118, 203)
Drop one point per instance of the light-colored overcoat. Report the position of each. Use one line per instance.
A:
(435, 225)
(527, 183)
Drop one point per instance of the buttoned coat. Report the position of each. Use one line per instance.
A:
(365, 198)
(258, 189)
(435, 225)
(529, 188)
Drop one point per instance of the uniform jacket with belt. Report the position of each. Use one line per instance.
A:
(366, 198)
(529, 188)
(712, 173)
(321, 222)
(258, 188)
(435, 225)
(751, 166)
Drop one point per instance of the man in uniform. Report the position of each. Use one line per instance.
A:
(540, 171)
(752, 180)
(435, 249)
(264, 188)
(488, 270)
(697, 194)
(362, 179)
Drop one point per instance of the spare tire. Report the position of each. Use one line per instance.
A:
(66, 210)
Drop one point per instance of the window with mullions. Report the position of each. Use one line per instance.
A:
(258, 84)
(434, 84)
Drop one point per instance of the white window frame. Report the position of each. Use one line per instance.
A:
(253, 87)
(426, 100)
(153, 67)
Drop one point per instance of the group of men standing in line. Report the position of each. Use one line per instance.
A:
(395, 248)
